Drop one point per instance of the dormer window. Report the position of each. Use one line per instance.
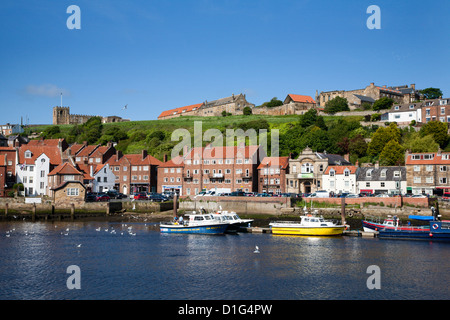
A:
(397, 107)
(28, 154)
(369, 173)
(346, 172)
(332, 173)
(411, 106)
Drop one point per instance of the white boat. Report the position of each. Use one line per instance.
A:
(196, 223)
(233, 220)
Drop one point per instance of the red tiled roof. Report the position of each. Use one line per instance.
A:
(87, 151)
(136, 159)
(52, 152)
(340, 169)
(180, 110)
(437, 159)
(281, 162)
(176, 162)
(301, 98)
(65, 168)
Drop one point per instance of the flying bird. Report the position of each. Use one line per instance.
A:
(125, 108)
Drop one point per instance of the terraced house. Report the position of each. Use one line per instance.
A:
(427, 171)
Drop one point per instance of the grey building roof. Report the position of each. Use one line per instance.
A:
(333, 159)
(375, 174)
(364, 98)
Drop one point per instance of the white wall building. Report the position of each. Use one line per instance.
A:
(33, 175)
(405, 113)
(104, 178)
(340, 179)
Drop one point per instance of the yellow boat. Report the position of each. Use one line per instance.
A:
(309, 225)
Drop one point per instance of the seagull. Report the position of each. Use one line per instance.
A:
(98, 229)
(256, 249)
(79, 245)
(125, 108)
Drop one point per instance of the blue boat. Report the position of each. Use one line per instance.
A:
(197, 223)
(436, 231)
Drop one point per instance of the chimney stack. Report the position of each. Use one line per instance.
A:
(165, 157)
(144, 154)
(118, 155)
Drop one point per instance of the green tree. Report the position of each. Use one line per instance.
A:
(438, 130)
(336, 105)
(393, 154)
(358, 146)
(247, 111)
(431, 93)
(51, 132)
(383, 103)
(381, 137)
(272, 103)
(419, 144)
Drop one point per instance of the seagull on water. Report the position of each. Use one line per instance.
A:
(256, 249)
(79, 245)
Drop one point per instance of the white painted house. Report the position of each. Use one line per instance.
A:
(104, 178)
(403, 114)
(340, 179)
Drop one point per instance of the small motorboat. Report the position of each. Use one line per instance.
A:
(196, 223)
(234, 221)
(309, 225)
(374, 224)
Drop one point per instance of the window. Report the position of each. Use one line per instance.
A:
(42, 185)
(443, 180)
(397, 174)
(125, 168)
(428, 156)
(105, 179)
(72, 192)
(134, 168)
(146, 178)
(429, 168)
(369, 173)
(69, 177)
(30, 180)
(145, 168)
(346, 173)
(417, 168)
(134, 178)
(443, 168)
(98, 160)
(429, 180)
(382, 184)
(417, 180)
(28, 154)
(42, 173)
(367, 184)
(383, 173)
(116, 168)
(332, 173)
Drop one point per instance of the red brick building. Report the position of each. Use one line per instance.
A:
(135, 172)
(436, 110)
(222, 169)
(272, 175)
(9, 154)
(170, 176)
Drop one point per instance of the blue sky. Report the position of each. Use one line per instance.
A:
(159, 55)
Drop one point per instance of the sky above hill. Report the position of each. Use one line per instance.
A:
(158, 55)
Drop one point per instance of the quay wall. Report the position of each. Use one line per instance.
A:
(384, 202)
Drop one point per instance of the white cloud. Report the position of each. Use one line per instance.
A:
(46, 90)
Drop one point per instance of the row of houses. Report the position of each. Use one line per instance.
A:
(44, 165)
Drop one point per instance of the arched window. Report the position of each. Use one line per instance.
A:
(307, 168)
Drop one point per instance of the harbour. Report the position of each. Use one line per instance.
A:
(132, 259)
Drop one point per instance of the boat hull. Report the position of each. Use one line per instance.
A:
(205, 229)
(308, 231)
(438, 231)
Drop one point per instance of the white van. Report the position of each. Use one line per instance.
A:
(320, 194)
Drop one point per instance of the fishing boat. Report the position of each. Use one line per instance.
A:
(309, 225)
(374, 224)
(196, 223)
(435, 231)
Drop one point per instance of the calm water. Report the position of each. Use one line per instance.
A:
(149, 265)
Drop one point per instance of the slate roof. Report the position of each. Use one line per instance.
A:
(333, 159)
(375, 174)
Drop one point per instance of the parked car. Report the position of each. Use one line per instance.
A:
(90, 197)
(382, 195)
(419, 196)
(113, 194)
(352, 195)
(140, 196)
(237, 194)
(157, 198)
(263, 194)
(102, 197)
